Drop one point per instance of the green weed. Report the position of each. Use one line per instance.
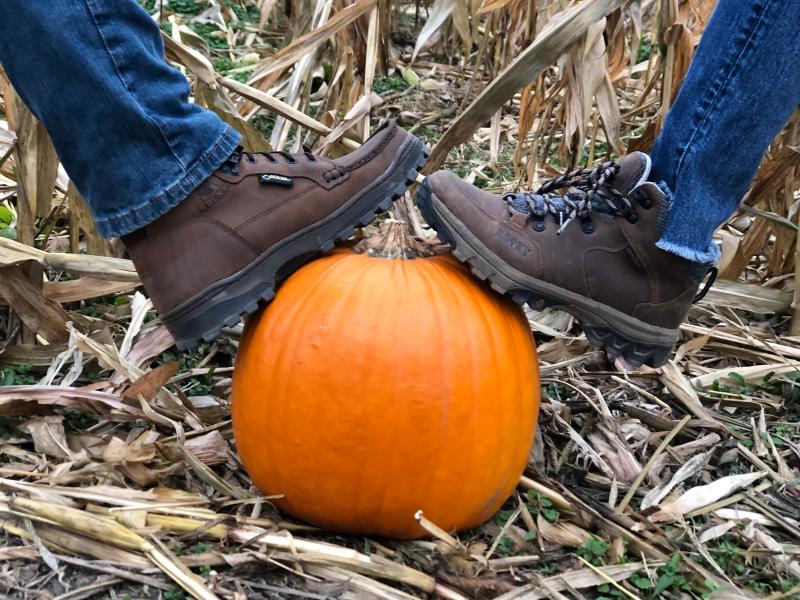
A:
(20, 375)
(390, 83)
(594, 551)
(539, 505)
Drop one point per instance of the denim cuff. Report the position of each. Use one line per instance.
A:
(708, 252)
(139, 215)
(709, 256)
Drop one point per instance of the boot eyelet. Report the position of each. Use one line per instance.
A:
(234, 171)
(251, 160)
(587, 226)
(538, 224)
(643, 198)
(632, 217)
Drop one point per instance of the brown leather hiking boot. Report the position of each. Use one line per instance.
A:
(212, 258)
(591, 251)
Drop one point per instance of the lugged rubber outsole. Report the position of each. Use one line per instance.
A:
(202, 317)
(601, 333)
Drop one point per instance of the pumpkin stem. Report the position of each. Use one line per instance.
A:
(394, 240)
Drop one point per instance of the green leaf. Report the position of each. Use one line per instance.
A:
(550, 514)
(410, 77)
(8, 377)
(733, 375)
(664, 582)
(6, 216)
(641, 581)
(201, 547)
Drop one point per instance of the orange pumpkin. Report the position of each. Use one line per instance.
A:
(370, 388)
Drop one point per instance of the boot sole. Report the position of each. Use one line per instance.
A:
(638, 342)
(226, 301)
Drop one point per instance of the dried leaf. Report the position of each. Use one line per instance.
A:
(688, 469)
(100, 267)
(17, 400)
(704, 495)
(117, 451)
(683, 391)
(48, 435)
(147, 385)
(437, 15)
(43, 316)
(355, 115)
(209, 448)
(304, 44)
(562, 533)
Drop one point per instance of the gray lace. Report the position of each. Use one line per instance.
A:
(586, 191)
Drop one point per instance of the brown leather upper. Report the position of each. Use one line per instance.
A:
(617, 264)
(244, 209)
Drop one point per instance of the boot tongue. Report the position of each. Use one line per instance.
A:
(634, 169)
(664, 206)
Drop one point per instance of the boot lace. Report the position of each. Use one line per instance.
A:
(587, 190)
(231, 164)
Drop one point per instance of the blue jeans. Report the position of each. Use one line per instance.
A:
(93, 72)
(741, 88)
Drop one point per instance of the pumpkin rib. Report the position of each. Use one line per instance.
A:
(525, 372)
(427, 273)
(492, 334)
(297, 312)
(477, 352)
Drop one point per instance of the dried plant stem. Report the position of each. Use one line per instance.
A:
(371, 62)
(761, 506)
(608, 579)
(280, 131)
(439, 533)
(109, 531)
(394, 240)
(557, 499)
(761, 465)
(99, 267)
(646, 469)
